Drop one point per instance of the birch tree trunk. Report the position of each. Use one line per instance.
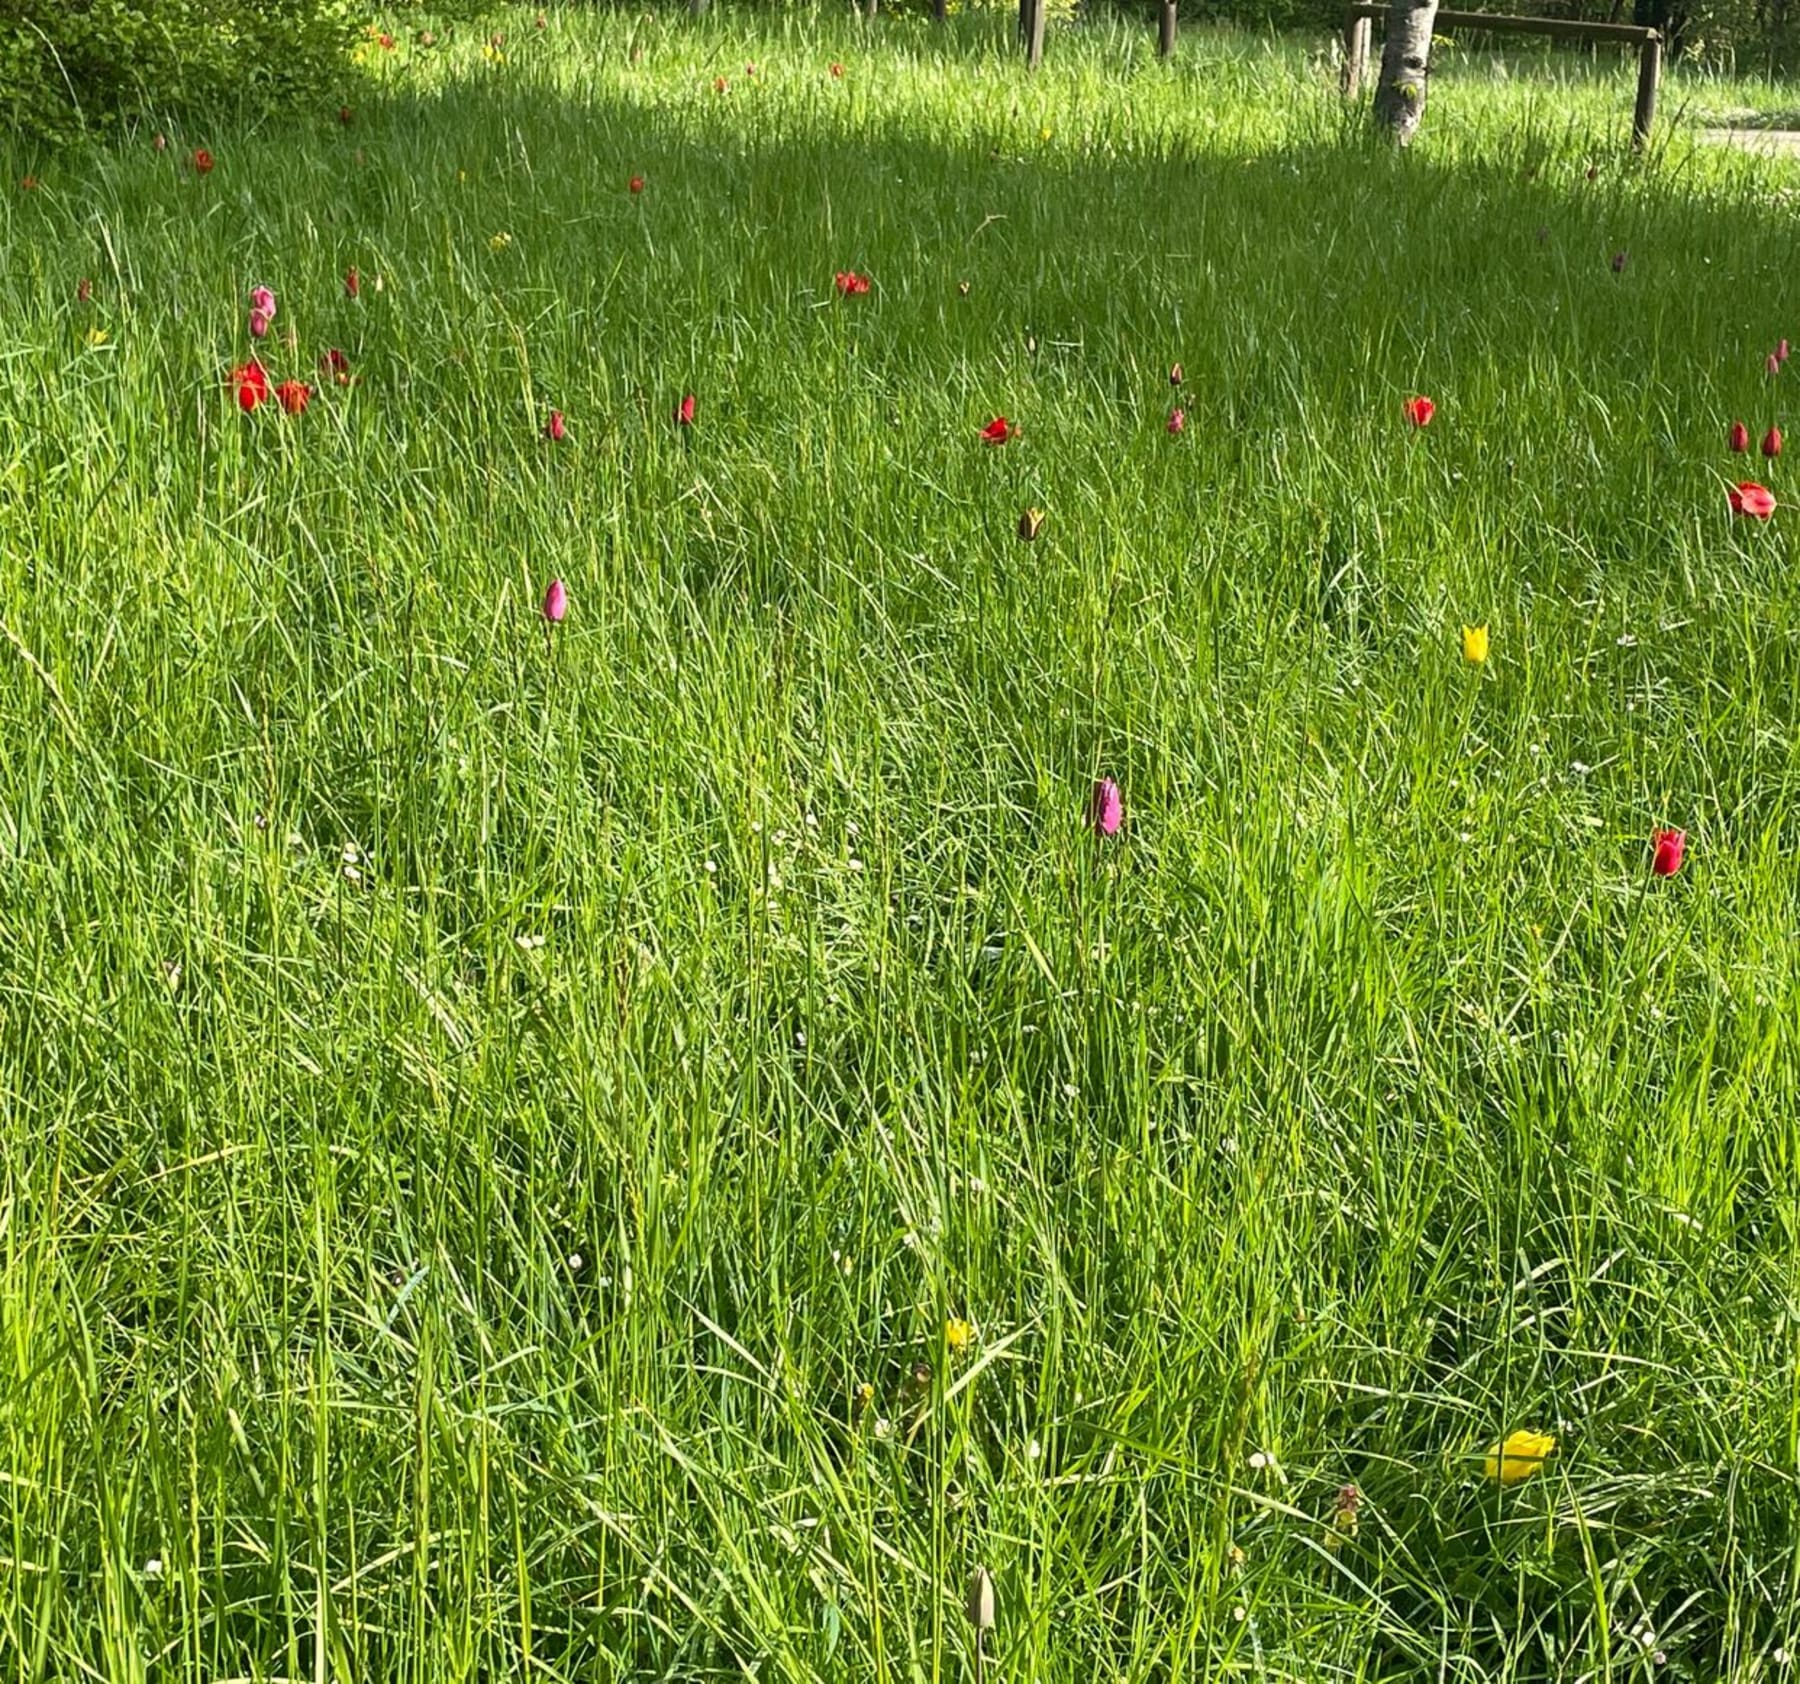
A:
(1405, 65)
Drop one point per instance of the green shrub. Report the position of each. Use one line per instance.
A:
(67, 64)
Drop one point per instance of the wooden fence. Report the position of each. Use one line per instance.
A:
(1359, 22)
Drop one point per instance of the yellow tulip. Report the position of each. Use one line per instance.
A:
(1519, 1455)
(96, 336)
(959, 1335)
(1475, 644)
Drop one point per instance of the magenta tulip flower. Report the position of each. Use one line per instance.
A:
(556, 602)
(1106, 811)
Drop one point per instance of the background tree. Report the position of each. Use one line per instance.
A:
(1405, 67)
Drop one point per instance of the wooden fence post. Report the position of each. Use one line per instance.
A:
(1165, 30)
(1356, 53)
(1649, 74)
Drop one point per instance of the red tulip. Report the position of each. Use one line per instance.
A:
(636, 184)
(1749, 498)
(84, 290)
(1419, 411)
(1175, 375)
(1738, 438)
(203, 161)
(352, 282)
(837, 71)
(1666, 849)
(684, 411)
(385, 42)
(1177, 420)
(556, 602)
(295, 395)
(721, 86)
(999, 430)
(252, 383)
(554, 428)
(28, 182)
(1106, 808)
(337, 365)
(1771, 444)
(345, 114)
(850, 284)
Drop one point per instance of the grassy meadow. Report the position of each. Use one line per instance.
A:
(655, 1146)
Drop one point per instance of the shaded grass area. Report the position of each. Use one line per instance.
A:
(479, 1110)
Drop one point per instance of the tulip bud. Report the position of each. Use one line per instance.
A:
(1771, 444)
(1739, 437)
(981, 1600)
(556, 602)
(1106, 810)
(1031, 523)
(1666, 850)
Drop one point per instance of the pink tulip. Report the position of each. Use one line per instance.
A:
(1106, 811)
(556, 602)
(259, 325)
(1773, 365)
(554, 431)
(1781, 352)
(262, 302)
(1177, 420)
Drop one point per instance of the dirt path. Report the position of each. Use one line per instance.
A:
(1774, 143)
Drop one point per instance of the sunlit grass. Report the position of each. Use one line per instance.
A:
(655, 1150)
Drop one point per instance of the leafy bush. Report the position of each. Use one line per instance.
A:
(65, 64)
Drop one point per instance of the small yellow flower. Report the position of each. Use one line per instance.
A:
(959, 1335)
(97, 336)
(1519, 1455)
(1475, 644)
(865, 1395)
(499, 242)
(1043, 134)
(493, 54)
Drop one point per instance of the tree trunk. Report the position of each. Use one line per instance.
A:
(1405, 65)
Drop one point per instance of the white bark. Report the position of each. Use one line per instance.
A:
(1405, 67)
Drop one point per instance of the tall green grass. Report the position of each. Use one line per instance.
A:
(495, 1128)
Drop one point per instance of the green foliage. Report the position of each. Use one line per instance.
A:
(65, 65)
(494, 1125)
